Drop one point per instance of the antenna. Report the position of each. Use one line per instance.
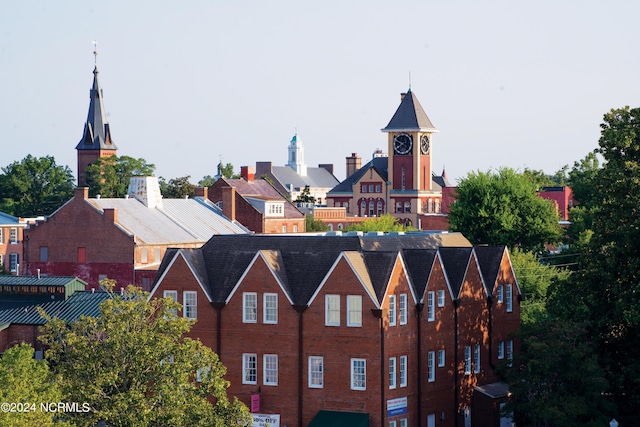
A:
(409, 80)
(95, 52)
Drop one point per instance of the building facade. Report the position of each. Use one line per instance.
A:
(394, 330)
(11, 242)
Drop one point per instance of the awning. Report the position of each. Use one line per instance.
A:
(339, 419)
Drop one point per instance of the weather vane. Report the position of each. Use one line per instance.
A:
(95, 52)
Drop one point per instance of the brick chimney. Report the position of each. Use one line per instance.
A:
(229, 202)
(202, 192)
(81, 192)
(327, 166)
(353, 164)
(111, 215)
(247, 173)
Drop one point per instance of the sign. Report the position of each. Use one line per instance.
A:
(266, 420)
(255, 403)
(396, 406)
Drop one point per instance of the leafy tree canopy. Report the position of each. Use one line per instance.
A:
(227, 171)
(206, 181)
(314, 225)
(34, 187)
(305, 196)
(135, 367)
(503, 208)
(177, 188)
(109, 176)
(383, 223)
(26, 380)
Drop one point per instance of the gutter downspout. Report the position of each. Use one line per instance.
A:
(218, 306)
(490, 299)
(456, 304)
(377, 313)
(419, 308)
(300, 309)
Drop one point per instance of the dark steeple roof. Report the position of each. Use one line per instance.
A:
(97, 135)
(410, 117)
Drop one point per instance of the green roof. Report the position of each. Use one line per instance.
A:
(81, 303)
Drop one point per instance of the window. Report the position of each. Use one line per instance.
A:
(354, 310)
(407, 207)
(509, 298)
(371, 188)
(1, 236)
(441, 298)
(431, 366)
(441, 358)
(403, 309)
(467, 360)
(392, 310)
(510, 351)
(364, 188)
(379, 208)
(284, 228)
(500, 294)
(249, 307)
(295, 228)
(431, 316)
(14, 260)
(392, 423)
(144, 256)
(316, 372)
(403, 422)
(372, 212)
(190, 305)
(363, 208)
(44, 253)
(403, 371)
(270, 365)
(378, 188)
(202, 373)
(501, 350)
(13, 235)
(174, 297)
(156, 255)
(358, 374)
(399, 207)
(476, 358)
(332, 310)
(392, 372)
(431, 420)
(271, 308)
(249, 369)
(1, 263)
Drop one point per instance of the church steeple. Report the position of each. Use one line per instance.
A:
(296, 156)
(96, 138)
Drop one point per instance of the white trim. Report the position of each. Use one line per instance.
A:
(248, 269)
(159, 282)
(309, 371)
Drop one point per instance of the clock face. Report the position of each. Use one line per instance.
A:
(402, 144)
(424, 144)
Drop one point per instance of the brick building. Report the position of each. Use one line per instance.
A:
(11, 242)
(122, 239)
(378, 330)
(255, 203)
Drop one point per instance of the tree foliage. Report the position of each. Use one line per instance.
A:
(109, 176)
(134, 366)
(314, 224)
(503, 208)
(206, 181)
(305, 196)
(178, 188)
(25, 380)
(34, 187)
(383, 223)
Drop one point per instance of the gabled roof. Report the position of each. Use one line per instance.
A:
(379, 164)
(455, 262)
(419, 264)
(261, 189)
(80, 303)
(380, 266)
(315, 178)
(96, 135)
(410, 117)
(489, 260)
(6, 219)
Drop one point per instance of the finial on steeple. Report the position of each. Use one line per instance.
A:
(409, 81)
(95, 53)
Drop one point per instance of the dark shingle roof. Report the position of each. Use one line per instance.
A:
(97, 135)
(409, 116)
(489, 259)
(380, 266)
(419, 263)
(455, 262)
(379, 164)
(262, 189)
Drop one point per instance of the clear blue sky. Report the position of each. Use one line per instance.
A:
(507, 83)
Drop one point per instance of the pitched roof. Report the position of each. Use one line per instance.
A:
(6, 219)
(97, 134)
(410, 116)
(455, 262)
(489, 260)
(380, 266)
(80, 303)
(419, 263)
(262, 189)
(316, 177)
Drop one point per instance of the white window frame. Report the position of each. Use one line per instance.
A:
(392, 310)
(476, 358)
(501, 350)
(190, 308)
(270, 308)
(467, 360)
(174, 296)
(392, 423)
(509, 351)
(354, 310)
(509, 297)
(316, 372)
(402, 370)
(14, 262)
(441, 358)
(332, 310)
(270, 369)
(249, 311)
(392, 372)
(431, 312)
(500, 294)
(403, 422)
(358, 374)
(249, 368)
(2, 262)
(441, 298)
(144, 256)
(431, 366)
(403, 309)
(1, 236)
(13, 236)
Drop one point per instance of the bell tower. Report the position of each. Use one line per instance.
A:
(96, 139)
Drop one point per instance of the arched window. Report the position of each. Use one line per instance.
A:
(372, 212)
(407, 207)
(379, 209)
(363, 208)
(340, 226)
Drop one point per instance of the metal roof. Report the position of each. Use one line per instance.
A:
(6, 219)
(315, 178)
(42, 280)
(80, 303)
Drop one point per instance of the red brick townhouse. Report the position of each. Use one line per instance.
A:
(11, 242)
(122, 239)
(373, 330)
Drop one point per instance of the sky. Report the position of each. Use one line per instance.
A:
(520, 84)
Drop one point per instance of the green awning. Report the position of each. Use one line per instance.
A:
(339, 419)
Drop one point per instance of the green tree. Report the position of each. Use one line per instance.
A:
(556, 379)
(178, 188)
(206, 181)
(109, 176)
(34, 186)
(383, 223)
(226, 171)
(503, 209)
(606, 289)
(134, 365)
(26, 381)
(305, 196)
(314, 224)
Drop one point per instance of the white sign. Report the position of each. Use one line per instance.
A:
(266, 420)
(396, 406)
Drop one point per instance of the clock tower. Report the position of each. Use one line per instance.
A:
(410, 134)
